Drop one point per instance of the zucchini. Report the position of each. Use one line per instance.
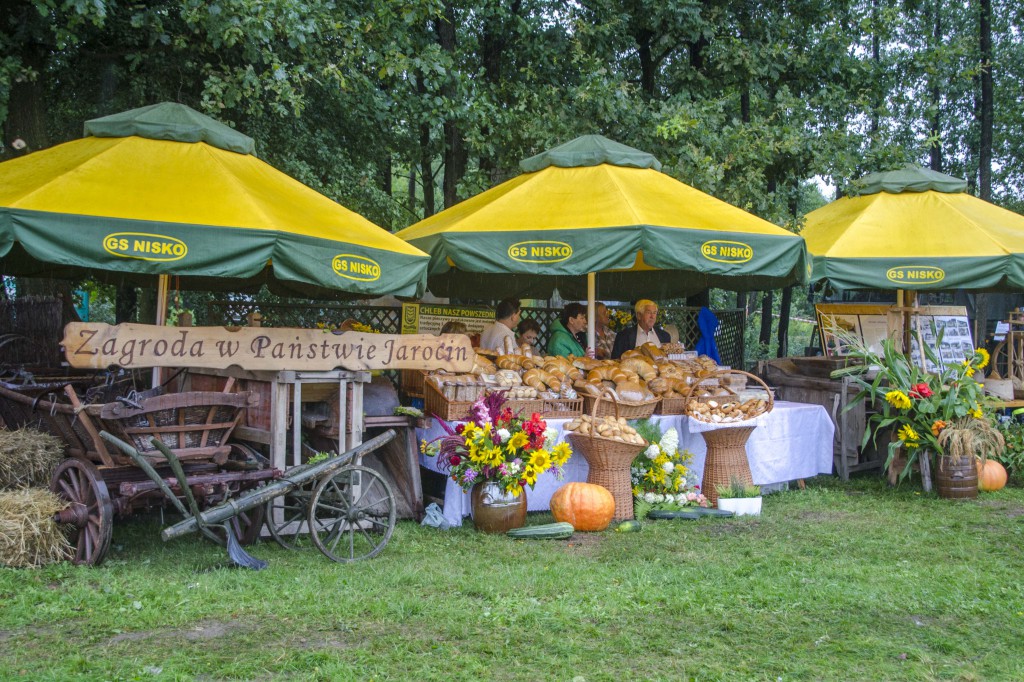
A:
(711, 511)
(672, 514)
(628, 527)
(547, 531)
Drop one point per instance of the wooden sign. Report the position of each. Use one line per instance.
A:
(98, 346)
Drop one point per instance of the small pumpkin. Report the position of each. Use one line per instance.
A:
(586, 506)
(991, 475)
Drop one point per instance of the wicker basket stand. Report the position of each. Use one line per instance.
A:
(726, 457)
(609, 462)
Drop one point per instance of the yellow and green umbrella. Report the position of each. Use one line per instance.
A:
(915, 229)
(595, 206)
(165, 190)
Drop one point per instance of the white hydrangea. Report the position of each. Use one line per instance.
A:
(670, 442)
(681, 498)
(550, 437)
(514, 468)
(504, 435)
(652, 451)
(649, 497)
(668, 467)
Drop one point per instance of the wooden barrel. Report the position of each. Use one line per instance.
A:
(957, 481)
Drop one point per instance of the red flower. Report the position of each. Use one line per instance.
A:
(455, 459)
(920, 390)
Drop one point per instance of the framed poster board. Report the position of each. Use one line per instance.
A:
(870, 324)
(428, 318)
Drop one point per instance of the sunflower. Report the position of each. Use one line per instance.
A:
(898, 399)
(909, 436)
(540, 460)
(517, 441)
(983, 357)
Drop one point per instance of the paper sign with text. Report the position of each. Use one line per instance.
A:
(98, 346)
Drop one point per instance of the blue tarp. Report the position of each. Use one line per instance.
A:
(708, 324)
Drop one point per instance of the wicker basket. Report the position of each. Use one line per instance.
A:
(562, 408)
(726, 459)
(609, 462)
(411, 381)
(769, 402)
(671, 406)
(607, 406)
(450, 410)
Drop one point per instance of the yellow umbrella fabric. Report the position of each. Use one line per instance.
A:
(594, 205)
(915, 229)
(139, 204)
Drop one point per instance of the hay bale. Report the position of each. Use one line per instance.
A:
(28, 457)
(28, 535)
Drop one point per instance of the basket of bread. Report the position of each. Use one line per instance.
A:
(721, 404)
(609, 444)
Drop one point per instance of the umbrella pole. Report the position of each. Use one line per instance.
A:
(591, 295)
(163, 284)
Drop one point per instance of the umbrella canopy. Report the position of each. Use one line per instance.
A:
(165, 190)
(915, 229)
(593, 205)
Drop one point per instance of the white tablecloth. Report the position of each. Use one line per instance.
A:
(791, 442)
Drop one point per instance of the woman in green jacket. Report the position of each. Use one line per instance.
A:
(563, 331)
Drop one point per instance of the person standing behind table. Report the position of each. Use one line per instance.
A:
(501, 336)
(563, 331)
(644, 331)
(605, 336)
(528, 332)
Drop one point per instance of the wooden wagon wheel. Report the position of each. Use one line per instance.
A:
(999, 366)
(286, 515)
(89, 513)
(352, 514)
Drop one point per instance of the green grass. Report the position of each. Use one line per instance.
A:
(838, 582)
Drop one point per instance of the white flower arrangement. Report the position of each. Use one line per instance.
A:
(504, 435)
(661, 478)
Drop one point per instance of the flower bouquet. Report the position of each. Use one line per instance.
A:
(943, 413)
(661, 477)
(500, 447)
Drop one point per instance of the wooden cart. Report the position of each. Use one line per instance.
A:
(100, 483)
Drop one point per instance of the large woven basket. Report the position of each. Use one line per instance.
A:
(606, 405)
(609, 462)
(726, 459)
(769, 402)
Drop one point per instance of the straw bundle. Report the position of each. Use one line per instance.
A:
(28, 457)
(28, 535)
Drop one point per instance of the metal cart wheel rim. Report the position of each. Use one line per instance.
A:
(332, 498)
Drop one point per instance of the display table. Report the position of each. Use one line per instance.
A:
(793, 441)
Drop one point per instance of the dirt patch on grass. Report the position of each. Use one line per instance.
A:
(1011, 510)
(200, 632)
(584, 543)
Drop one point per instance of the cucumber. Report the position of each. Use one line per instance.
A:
(628, 527)
(672, 514)
(547, 531)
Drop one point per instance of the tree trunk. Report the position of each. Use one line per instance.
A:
(985, 148)
(411, 204)
(783, 332)
(765, 337)
(454, 153)
(25, 128)
(126, 305)
(936, 96)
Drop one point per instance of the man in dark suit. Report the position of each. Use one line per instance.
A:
(644, 331)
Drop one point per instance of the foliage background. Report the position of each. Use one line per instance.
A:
(400, 109)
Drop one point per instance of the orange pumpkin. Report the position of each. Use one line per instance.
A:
(585, 505)
(991, 475)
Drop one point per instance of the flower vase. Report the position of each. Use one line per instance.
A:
(957, 480)
(496, 510)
